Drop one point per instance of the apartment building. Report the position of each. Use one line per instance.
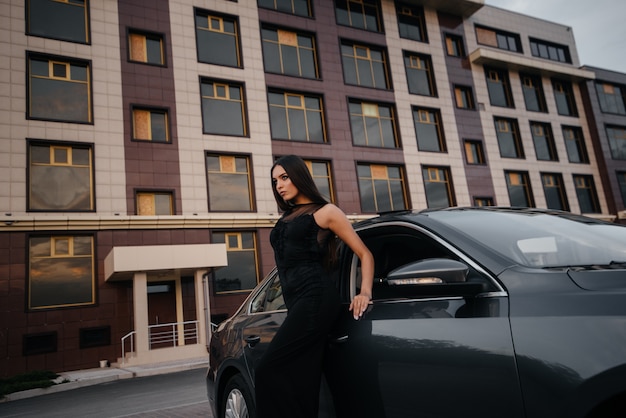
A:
(138, 136)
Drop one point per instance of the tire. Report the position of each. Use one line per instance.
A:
(237, 401)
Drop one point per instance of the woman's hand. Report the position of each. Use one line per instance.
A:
(359, 304)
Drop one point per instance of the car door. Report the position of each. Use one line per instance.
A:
(266, 312)
(422, 353)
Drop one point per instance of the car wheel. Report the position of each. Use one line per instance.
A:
(237, 401)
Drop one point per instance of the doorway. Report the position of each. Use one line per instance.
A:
(162, 314)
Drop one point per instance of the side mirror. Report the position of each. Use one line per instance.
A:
(429, 271)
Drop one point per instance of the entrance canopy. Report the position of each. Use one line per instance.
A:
(122, 262)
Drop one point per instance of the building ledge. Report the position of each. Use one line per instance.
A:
(463, 8)
(513, 61)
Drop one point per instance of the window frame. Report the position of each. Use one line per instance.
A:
(464, 97)
(548, 138)
(434, 118)
(55, 145)
(346, 7)
(575, 142)
(87, 22)
(213, 208)
(563, 89)
(305, 111)
(290, 38)
(513, 129)
(480, 201)
(429, 180)
(590, 189)
(416, 64)
(477, 154)
(485, 33)
(145, 36)
(293, 8)
(536, 46)
(54, 239)
(238, 233)
(619, 99)
(236, 34)
(525, 185)
(377, 174)
(226, 85)
(367, 112)
(67, 62)
(501, 81)
(558, 187)
(351, 62)
(536, 87)
(618, 149)
(150, 110)
(453, 40)
(407, 14)
(153, 194)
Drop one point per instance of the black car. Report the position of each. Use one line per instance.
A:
(476, 312)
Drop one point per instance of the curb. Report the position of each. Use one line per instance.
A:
(82, 378)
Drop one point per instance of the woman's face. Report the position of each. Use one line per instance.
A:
(285, 188)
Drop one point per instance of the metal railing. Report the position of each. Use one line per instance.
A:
(164, 335)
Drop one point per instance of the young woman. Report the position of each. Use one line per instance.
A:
(288, 376)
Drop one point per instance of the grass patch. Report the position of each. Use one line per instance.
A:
(25, 381)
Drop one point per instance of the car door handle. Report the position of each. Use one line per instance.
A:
(339, 340)
(253, 340)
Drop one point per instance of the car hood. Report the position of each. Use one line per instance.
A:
(599, 279)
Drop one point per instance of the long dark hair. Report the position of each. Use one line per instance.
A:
(300, 176)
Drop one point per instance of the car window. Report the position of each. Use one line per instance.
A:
(542, 240)
(270, 298)
(394, 247)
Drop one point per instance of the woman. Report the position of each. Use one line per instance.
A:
(288, 376)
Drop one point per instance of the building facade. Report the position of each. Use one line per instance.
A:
(138, 136)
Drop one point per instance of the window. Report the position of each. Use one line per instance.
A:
(545, 148)
(498, 39)
(289, 53)
(59, 89)
(217, 39)
(483, 201)
(554, 191)
(498, 87)
(621, 179)
(154, 203)
(360, 14)
(464, 97)
(411, 23)
(229, 182)
(550, 51)
(373, 124)
(296, 117)
(419, 74)
(146, 48)
(295, 7)
(438, 185)
(586, 193)
(575, 145)
(509, 139)
(320, 171)
(241, 273)
(564, 96)
(364, 66)
(60, 177)
(612, 98)
(39, 343)
(533, 93)
(454, 45)
(474, 153)
(518, 186)
(617, 141)
(60, 271)
(94, 336)
(223, 108)
(66, 20)
(150, 125)
(381, 188)
(429, 130)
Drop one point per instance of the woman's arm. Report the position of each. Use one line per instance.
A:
(333, 218)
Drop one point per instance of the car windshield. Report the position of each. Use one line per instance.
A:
(536, 239)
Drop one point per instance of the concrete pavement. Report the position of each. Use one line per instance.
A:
(88, 377)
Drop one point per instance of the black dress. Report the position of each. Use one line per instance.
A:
(288, 376)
